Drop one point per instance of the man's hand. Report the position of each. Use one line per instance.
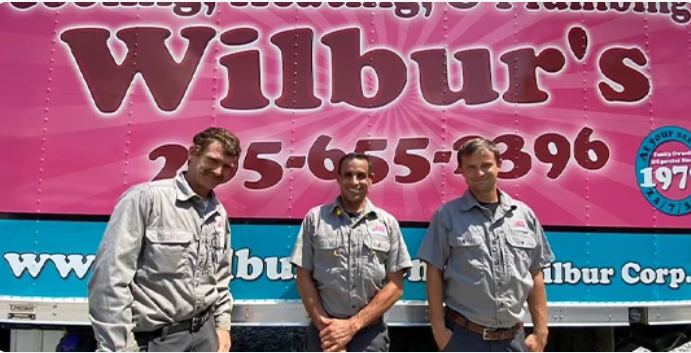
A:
(223, 340)
(337, 335)
(536, 342)
(322, 323)
(442, 337)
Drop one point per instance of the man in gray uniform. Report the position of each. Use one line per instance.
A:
(350, 258)
(161, 274)
(484, 254)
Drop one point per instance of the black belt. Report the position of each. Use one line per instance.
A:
(193, 325)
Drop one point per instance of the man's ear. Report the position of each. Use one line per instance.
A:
(459, 163)
(192, 150)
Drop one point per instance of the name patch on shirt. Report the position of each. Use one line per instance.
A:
(219, 224)
(519, 223)
(377, 228)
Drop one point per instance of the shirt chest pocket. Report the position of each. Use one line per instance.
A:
(327, 256)
(376, 250)
(465, 241)
(167, 251)
(468, 255)
(520, 247)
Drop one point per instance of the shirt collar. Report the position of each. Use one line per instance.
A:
(336, 207)
(185, 193)
(468, 201)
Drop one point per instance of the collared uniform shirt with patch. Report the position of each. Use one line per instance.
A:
(164, 258)
(349, 258)
(486, 259)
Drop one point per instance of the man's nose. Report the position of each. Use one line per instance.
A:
(217, 171)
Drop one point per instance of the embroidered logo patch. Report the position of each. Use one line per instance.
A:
(378, 228)
(219, 223)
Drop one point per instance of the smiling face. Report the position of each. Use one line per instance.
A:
(210, 167)
(354, 180)
(480, 171)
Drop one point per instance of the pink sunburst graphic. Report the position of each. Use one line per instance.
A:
(65, 156)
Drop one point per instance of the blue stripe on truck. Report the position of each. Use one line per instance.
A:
(52, 258)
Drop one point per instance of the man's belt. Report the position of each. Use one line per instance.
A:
(193, 325)
(487, 333)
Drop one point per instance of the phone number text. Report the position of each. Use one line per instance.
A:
(552, 149)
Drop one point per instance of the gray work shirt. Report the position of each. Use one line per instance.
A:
(349, 258)
(487, 259)
(164, 258)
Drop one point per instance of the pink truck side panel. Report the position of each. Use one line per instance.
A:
(94, 100)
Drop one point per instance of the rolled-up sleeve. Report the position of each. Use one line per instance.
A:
(224, 304)
(542, 255)
(398, 257)
(435, 248)
(109, 293)
(303, 253)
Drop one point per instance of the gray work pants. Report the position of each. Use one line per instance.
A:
(373, 338)
(464, 340)
(204, 340)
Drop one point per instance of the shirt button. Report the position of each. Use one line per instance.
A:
(354, 306)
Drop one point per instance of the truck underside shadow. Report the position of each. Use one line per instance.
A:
(417, 339)
(653, 338)
(4, 339)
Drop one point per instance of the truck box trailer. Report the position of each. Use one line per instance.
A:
(588, 101)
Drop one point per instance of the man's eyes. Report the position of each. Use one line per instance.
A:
(358, 176)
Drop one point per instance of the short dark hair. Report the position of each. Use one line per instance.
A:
(353, 155)
(229, 142)
(473, 145)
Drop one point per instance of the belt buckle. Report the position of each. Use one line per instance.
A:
(196, 323)
(485, 334)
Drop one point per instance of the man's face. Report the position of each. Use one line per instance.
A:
(211, 167)
(354, 180)
(480, 171)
